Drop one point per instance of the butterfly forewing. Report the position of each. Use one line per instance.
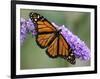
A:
(45, 27)
(43, 40)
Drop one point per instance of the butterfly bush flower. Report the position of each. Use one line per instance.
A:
(78, 46)
(26, 26)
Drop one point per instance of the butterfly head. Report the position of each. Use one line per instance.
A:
(34, 16)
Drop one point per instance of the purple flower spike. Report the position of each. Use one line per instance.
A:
(26, 26)
(78, 46)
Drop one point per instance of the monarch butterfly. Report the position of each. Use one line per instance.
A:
(49, 37)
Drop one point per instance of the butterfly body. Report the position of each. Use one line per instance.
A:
(50, 37)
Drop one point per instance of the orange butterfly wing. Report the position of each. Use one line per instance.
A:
(45, 30)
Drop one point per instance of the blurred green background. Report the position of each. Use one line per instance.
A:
(33, 57)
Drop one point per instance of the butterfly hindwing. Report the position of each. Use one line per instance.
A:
(52, 49)
(43, 40)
